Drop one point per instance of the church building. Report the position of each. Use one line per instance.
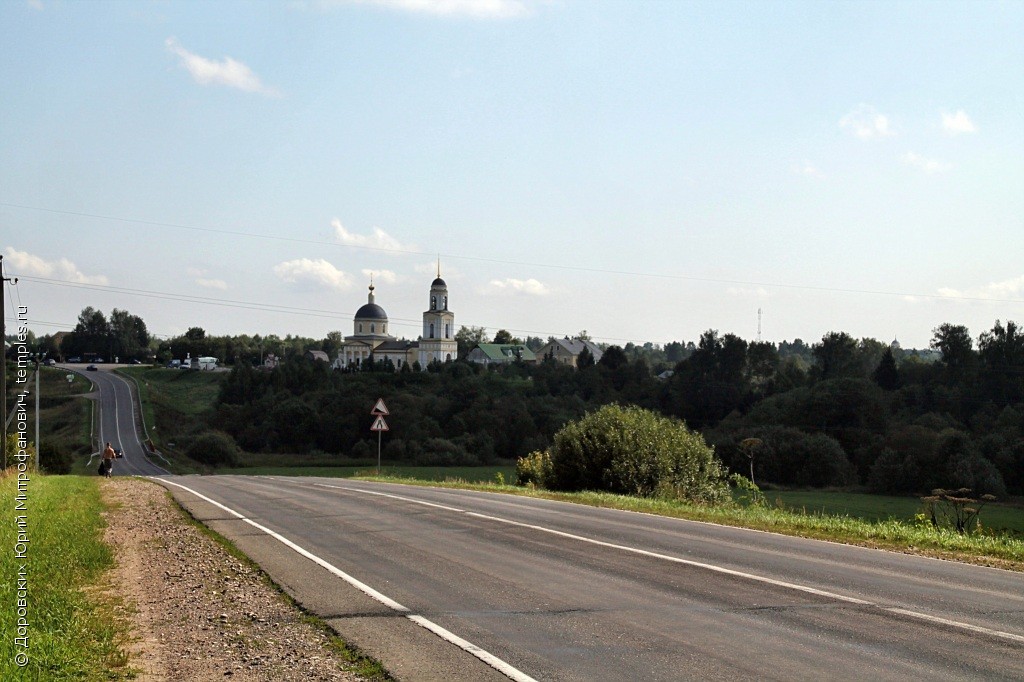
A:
(370, 337)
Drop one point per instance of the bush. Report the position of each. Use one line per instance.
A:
(534, 469)
(633, 451)
(214, 448)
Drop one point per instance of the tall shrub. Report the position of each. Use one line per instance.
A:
(634, 451)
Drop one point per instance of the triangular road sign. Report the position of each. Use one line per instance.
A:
(380, 407)
(379, 424)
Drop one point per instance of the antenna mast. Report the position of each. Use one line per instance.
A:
(759, 325)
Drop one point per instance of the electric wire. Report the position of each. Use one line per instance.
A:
(499, 261)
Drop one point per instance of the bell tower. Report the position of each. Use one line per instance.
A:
(438, 339)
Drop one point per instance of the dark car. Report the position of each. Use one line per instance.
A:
(134, 361)
(91, 368)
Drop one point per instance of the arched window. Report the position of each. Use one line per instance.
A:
(447, 331)
(373, 328)
(446, 303)
(360, 327)
(433, 302)
(449, 358)
(384, 329)
(431, 330)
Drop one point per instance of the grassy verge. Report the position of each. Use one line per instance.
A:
(74, 629)
(480, 474)
(984, 549)
(65, 419)
(999, 518)
(174, 403)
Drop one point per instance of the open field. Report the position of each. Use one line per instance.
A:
(74, 631)
(996, 517)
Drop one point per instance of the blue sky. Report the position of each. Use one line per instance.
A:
(641, 170)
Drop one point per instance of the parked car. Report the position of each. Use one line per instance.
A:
(50, 362)
(134, 361)
(91, 368)
(100, 360)
(75, 359)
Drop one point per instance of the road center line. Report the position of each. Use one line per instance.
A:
(450, 637)
(698, 564)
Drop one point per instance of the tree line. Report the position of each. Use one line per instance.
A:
(840, 411)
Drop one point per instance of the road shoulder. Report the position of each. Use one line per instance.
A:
(198, 612)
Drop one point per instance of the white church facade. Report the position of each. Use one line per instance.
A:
(370, 337)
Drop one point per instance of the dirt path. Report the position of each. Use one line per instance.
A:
(199, 613)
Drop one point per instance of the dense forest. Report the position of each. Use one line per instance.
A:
(838, 412)
(844, 413)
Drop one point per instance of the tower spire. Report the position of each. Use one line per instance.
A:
(439, 266)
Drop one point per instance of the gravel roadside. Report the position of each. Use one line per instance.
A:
(197, 612)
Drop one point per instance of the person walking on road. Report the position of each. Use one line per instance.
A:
(108, 460)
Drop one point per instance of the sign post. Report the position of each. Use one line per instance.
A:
(379, 425)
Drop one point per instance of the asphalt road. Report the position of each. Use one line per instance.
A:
(118, 423)
(567, 592)
(460, 585)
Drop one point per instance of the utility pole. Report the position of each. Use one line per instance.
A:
(759, 325)
(3, 365)
(37, 414)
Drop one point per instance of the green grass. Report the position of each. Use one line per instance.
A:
(997, 517)
(186, 392)
(65, 419)
(75, 632)
(175, 403)
(481, 474)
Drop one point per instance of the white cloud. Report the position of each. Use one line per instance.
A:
(385, 276)
(378, 240)
(218, 284)
(24, 263)
(318, 272)
(929, 166)
(808, 169)
(474, 9)
(867, 123)
(229, 72)
(958, 123)
(1008, 289)
(530, 287)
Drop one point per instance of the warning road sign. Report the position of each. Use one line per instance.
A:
(380, 408)
(379, 424)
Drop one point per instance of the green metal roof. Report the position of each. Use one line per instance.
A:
(506, 352)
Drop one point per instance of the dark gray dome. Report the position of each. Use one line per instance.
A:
(438, 283)
(371, 311)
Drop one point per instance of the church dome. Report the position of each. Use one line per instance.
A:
(438, 283)
(371, 311)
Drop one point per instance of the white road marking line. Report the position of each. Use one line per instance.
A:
(485, 656)
(710, 567)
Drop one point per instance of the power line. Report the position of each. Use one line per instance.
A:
(263, 307)
(498, 261)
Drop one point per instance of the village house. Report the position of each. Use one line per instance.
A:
(567, 351)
